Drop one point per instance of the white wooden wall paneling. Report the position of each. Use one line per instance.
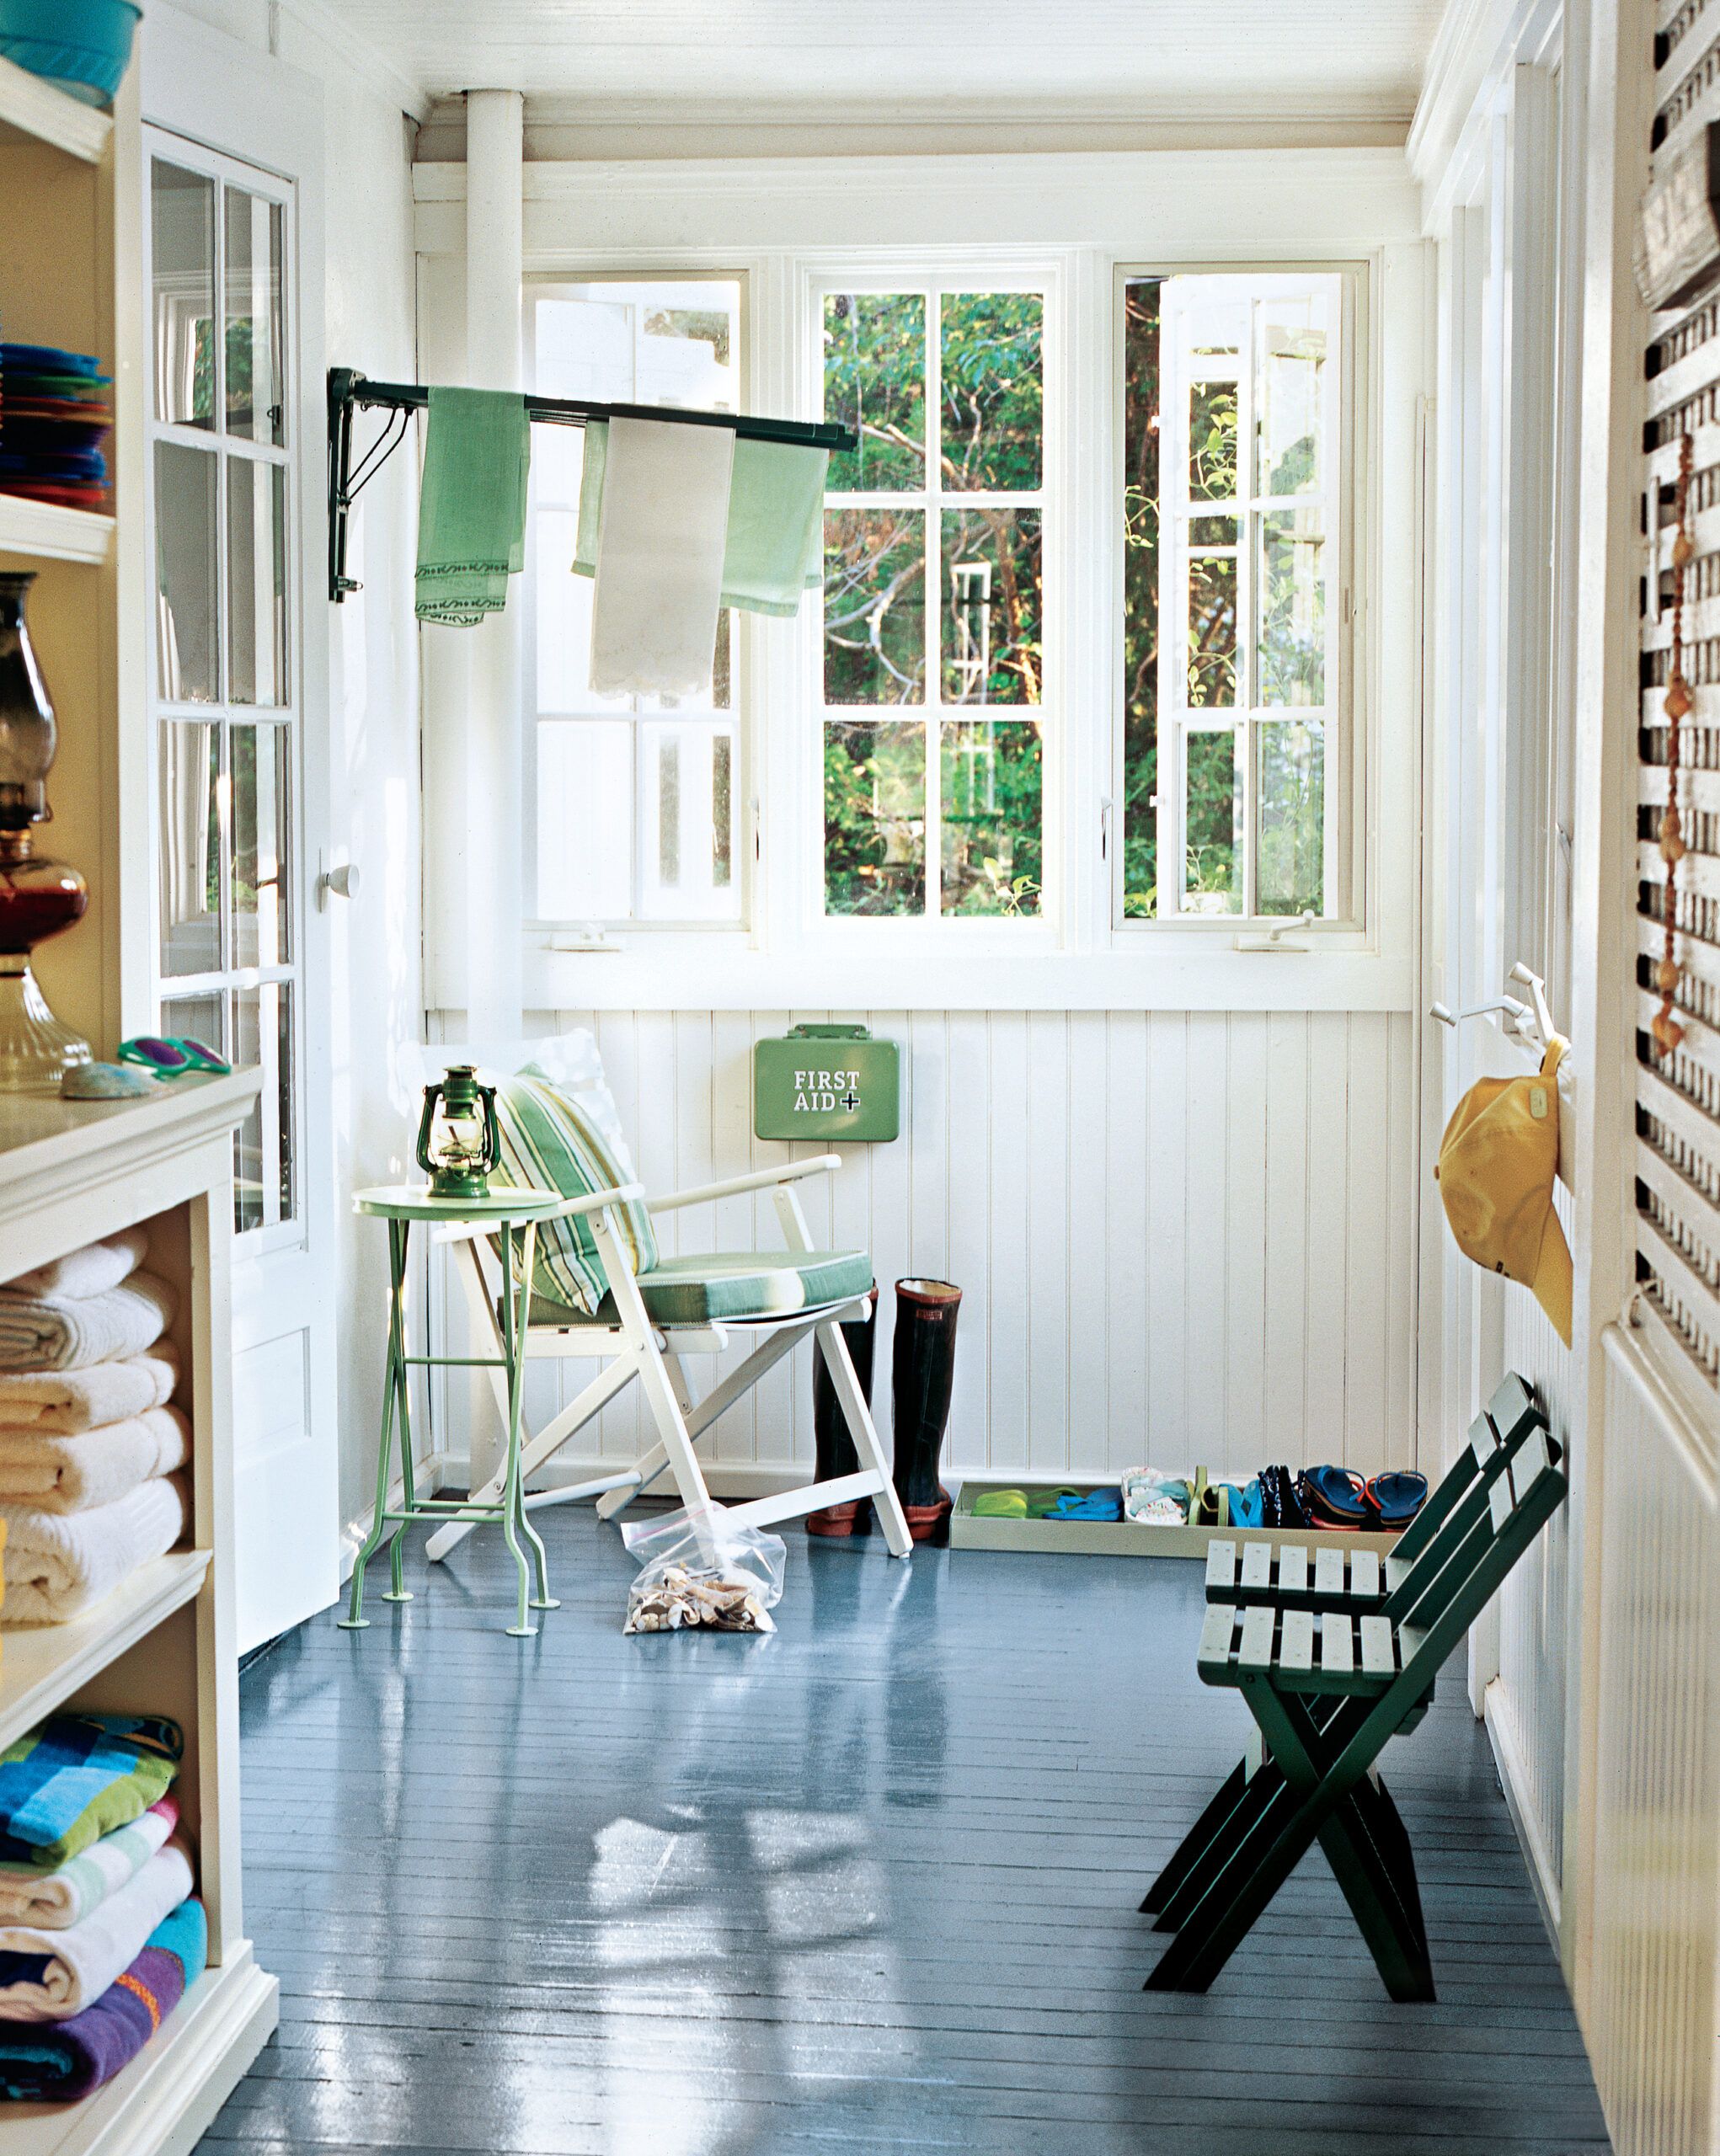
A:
(1180, 1237)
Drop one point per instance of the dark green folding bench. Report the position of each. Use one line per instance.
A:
(1327, 1688)
(1283, 1573)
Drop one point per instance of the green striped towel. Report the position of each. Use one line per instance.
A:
(564, 1135)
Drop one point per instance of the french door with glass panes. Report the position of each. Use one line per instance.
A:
(238, 965)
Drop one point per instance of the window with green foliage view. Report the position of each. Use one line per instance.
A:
(932, 657)
(1233, 494)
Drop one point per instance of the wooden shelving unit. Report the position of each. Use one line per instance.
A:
(163, 1642)
(31, 109)
(47, 531)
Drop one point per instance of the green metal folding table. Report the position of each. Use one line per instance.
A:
(512, 1217)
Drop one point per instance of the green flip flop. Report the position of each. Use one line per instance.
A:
(1001, 1504)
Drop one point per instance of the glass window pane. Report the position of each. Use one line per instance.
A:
(187, 658)
(256, 582)
(1291, 876)
(1212, 441)
(256, 394)
(874, 817)
(260, 756)
(1140, 597)
(689, 840)
(874, 381)
(1291, 588)
(991, 390)
(1290, 387)
(182, 236)
(992, 595)
(874, 606)
(189, 850)
(1212, 828)
(263, 1145)
(585, 819)
(1212, 632)
(688, 345)
(1213, 531)
(993, 857)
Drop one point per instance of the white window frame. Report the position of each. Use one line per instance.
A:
(603, 928)
(1346, 840)
(934, 278)
(159, 145)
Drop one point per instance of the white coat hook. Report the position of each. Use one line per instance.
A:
(1516, 1012)
(1537, 992)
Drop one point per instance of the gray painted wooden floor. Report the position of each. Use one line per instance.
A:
(869, 1884)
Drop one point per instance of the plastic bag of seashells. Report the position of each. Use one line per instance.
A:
(699, 1571)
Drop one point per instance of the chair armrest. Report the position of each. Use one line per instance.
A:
(467, 1231)
(738, 1186)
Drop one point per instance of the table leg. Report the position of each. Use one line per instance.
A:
(396, 1590)
(516, 1288)
(354, 1619)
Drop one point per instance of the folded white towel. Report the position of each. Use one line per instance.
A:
(91, 1271)
(72, 1475)
(69, 1332)
(55, 1901)
(79, 1964)
(58, 1564)
(659, 558)
(66, 1401)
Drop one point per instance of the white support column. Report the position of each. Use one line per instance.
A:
(492, 719)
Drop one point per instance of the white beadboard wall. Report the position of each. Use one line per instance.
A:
(1525, 1702)
(1183, 1237)
(1650, 2017)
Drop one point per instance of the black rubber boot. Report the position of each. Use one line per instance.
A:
(922, 1369)
(830, 1428)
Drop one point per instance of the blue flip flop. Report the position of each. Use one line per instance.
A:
(1336, 1496)
(1397, 1496)
(1097, 1504)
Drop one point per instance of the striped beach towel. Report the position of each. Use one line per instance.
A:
(77, 1778)
(61, 2061)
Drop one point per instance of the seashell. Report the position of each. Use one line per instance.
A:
(107, 1081)
(1684, 551)
(1678, 699)
(1666, 974)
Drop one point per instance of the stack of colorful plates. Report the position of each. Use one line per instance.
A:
(54, 411)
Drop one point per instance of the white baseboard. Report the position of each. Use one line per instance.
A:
(1507, 1756)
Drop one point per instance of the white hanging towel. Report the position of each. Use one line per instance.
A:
(659, 558)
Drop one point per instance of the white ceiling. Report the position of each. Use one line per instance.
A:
(1357, 60)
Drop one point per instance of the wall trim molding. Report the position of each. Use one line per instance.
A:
(366, 60)
(1508, 1758)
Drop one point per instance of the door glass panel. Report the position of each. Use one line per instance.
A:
(187, 657)
(1212, 632)
(1212, 826)
(196, 1018)
(262, 1145)
(256, 582)
(993, 862)
(260, 768)
(255, 390)
(874, 606)
(584, 854)
(182, 237)
(1212, 441)
(992, 392)
(1291, 878)
(874, 817)
(189, 852)
(992, 582)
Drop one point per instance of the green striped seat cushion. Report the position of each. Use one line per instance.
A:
(564, 1135)
(707, 1287)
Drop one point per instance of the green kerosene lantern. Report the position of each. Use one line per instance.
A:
(458, 1141)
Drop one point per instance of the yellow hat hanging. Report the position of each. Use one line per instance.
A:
(1496, 1164)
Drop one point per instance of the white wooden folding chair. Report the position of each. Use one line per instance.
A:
(629, 1342)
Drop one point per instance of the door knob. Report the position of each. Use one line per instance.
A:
(341, 882)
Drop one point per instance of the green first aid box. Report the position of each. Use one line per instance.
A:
(826, 1082)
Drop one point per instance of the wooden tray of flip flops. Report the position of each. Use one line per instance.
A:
(1127, 1537)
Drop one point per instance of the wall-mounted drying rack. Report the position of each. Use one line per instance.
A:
(348, 391)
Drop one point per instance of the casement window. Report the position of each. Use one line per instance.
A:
(664, 850)
(1237, 765)
(931, 693)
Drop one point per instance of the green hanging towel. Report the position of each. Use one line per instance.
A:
(773, 548)
(472, 504)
